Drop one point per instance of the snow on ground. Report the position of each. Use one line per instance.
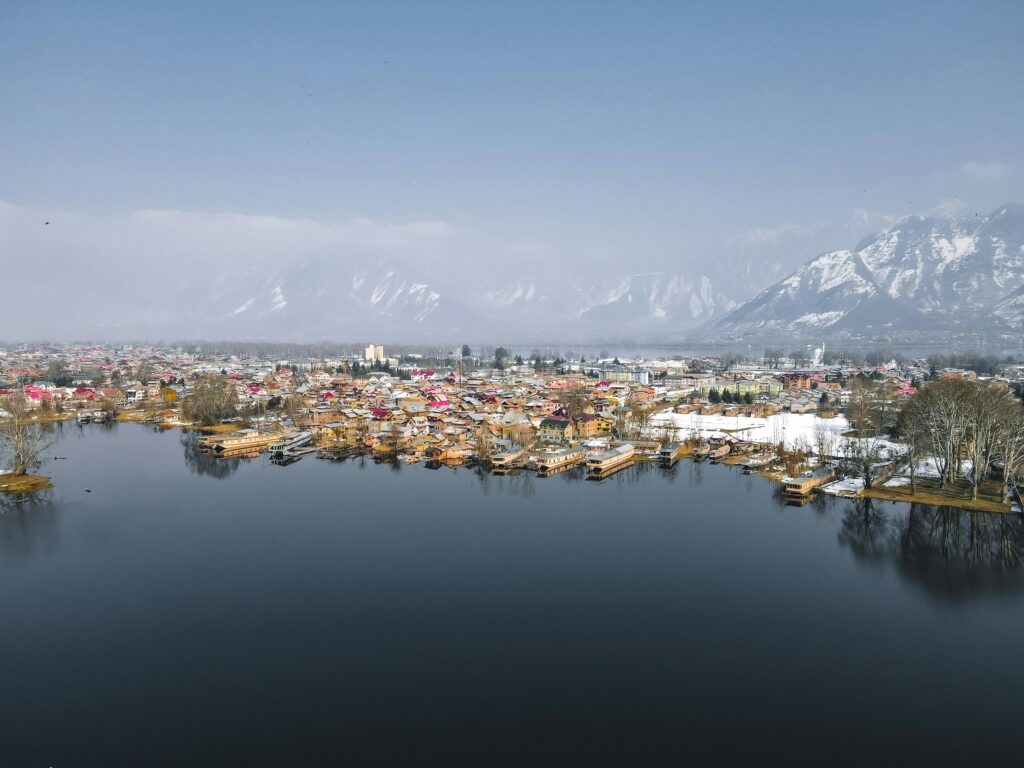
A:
(927, 467)
(849, 486)
(796, 430)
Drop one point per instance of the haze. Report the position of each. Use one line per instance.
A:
(190, 159)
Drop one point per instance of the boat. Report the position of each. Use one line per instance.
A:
(505, 459)
(803, 485)
(289, 444)
(84, 417)
(719, 453)
(550, 462)
(701, 452)
(245, 442)
(604, 463)
(758, 460)
(669, 454)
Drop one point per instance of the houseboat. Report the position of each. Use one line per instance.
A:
(84, 417)
(803, 485)
(719, 453)
(550, 462)
(506, 459)
(244, 443)
(670, 454)
(452, 456)
(609, 461)
(701, 452)
(290, 446)
(292, 441)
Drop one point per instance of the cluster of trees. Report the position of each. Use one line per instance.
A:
(57, 372)
(967, 427)
(213, 399)
(728, 396)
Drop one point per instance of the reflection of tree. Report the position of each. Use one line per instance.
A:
(976, 538)
(864, 530)
(521, 484)
(201, 463)
(28, 523)
(952, 552)
(483, 477)
(697, 471)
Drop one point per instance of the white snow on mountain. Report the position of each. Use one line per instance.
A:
(921, 272)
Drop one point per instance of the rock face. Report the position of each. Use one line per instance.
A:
(923, 273)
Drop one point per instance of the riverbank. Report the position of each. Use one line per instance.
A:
(928, 491)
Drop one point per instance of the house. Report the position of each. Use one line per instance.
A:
(590, 425)
(795, 380)
(555, 429)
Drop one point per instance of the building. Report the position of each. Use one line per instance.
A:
(555, 429)
(374, 353)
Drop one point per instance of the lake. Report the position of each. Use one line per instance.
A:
(194, 611)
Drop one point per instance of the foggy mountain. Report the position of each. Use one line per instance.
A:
(922, 273)
(180, 275)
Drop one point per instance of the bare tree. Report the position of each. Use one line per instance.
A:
(22, 438)
(525, 436)
(1010, 446)
(985, 431)
(913, 430)
(213, 399)
(825, 441)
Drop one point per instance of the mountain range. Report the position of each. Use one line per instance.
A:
(203, 277)
(920, 274)
(388, 298)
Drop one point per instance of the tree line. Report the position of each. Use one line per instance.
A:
(968, 427)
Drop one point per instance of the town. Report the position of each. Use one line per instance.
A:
(814, 423)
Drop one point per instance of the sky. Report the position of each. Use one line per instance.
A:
(662, 134)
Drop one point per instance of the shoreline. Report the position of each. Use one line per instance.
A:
(926, 494)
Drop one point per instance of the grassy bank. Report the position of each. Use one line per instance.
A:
(23, 483)
(956, 495)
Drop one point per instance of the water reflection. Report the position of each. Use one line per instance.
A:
(951, 552)
(28, 524)
(202, 463)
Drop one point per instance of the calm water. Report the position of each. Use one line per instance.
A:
(189, 611)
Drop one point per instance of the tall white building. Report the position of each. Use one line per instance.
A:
(374, 353)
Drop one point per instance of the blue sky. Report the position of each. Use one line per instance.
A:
(664, 132)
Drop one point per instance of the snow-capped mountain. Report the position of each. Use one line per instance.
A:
(965, 273)
(387, 298)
